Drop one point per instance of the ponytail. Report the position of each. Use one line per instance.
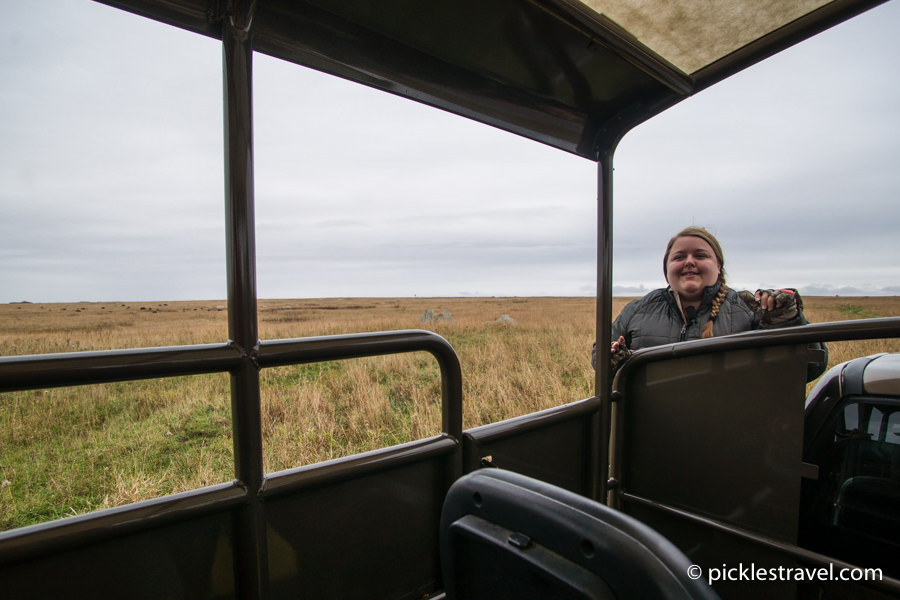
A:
(714, 312)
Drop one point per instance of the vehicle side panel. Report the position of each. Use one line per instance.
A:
(192, 559)
(371, 535)
(725, 421)
(558, 446)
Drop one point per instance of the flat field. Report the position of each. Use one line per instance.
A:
(67, 451)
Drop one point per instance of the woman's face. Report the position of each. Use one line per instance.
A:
(690, 267)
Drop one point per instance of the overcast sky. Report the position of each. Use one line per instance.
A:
(112, 179)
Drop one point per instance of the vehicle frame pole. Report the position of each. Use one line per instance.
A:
(251, 565)
(602, 383)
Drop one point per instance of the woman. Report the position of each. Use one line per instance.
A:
(698, 304)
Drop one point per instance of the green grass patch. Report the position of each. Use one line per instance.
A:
(74, 450)
(855, 311)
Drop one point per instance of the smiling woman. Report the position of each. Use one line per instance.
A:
(693, 262)
(698, 304)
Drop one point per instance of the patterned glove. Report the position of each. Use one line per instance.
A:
(788, 305)
(618, 357)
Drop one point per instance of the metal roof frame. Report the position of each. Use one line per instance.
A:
(550, 70)
(553, 71)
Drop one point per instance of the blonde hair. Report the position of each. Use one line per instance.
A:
(716, 305)
(706, 236)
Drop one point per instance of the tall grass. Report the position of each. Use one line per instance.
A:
(824, 310)
(317, 412)
(72, 450)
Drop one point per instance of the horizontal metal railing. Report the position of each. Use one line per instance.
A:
(73, 532)
(318, 349)
(40, 371)
(85, 368)
(862, 329)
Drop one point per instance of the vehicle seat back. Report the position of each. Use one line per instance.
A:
(504, 535)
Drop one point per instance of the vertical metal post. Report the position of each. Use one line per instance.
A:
(250, 548)
(451, 409)
(604, 311)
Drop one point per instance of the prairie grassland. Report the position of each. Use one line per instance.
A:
(828, 309)
(67, 451)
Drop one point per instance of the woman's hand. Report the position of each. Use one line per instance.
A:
(774, 307)
(619, 353)
(766, 299)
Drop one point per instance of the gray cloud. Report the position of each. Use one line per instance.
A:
(791, 164)
(113, 177)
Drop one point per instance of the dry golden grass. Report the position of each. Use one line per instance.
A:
(72, 450)
(539, 360)
(827, 309)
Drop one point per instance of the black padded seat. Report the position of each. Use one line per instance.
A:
(504, 535)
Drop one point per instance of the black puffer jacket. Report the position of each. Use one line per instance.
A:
(657, 319)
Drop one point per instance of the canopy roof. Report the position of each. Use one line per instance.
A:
(573, 74)
(691, 35)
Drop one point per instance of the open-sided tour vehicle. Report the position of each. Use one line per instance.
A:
(850, 510)
(582, 502)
